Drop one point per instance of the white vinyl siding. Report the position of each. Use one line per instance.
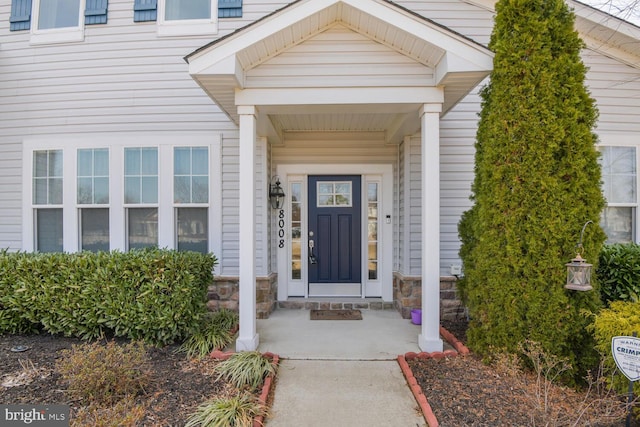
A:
(11, 183)
(230, 211)
(339, 57)
(460, 16)
(616, 88)
(123, 82)
(457, 137)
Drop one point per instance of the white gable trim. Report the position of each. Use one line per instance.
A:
(341, 96)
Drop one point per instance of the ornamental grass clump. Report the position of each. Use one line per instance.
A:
(246, 369)
(236, 411)
(215, 332)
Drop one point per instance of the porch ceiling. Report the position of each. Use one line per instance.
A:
(220, 68)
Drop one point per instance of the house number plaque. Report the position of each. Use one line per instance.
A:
(281, 228)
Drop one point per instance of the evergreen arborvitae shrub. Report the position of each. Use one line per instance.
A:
(537, 182)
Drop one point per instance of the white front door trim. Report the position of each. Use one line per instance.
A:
(381, 174)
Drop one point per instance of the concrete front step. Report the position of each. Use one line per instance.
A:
(335, 304)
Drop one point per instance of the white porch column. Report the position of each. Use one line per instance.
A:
(429, 338)
(248, 339)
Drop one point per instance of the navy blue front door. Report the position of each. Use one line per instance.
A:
(334, 234)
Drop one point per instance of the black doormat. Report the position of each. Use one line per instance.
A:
(336, 315)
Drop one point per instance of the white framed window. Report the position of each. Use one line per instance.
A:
(47, 200)
(57, 21)
(334, 194)
(119, 192)
(295, 246)
(187, 17)
(191, 198)
(141, 196)
(93, 198)
(620, 189)
(373, 221)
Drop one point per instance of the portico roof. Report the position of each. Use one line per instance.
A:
(455, 65)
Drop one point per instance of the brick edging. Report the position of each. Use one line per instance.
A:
(268, 382)
(460, 350)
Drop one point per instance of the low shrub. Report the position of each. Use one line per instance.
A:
(245, 369)
(104, 374)
(620, 319)
(236, 411)
(215, 332)
(153, 295)
(619, 272)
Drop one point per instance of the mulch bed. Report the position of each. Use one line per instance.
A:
(178, 384)
(464, 391)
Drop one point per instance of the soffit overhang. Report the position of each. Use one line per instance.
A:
(602, 32)
(220, 67)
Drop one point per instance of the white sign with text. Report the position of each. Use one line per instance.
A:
(626, 353)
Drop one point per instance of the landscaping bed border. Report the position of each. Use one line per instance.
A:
(459, 350)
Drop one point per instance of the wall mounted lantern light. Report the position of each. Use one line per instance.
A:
(578, 270)
(276, 193)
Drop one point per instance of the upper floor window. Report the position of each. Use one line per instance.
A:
(57, 21)
(186, 17)
(178, 10)
(619, 177)
(58, 14)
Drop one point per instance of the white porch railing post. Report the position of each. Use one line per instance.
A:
(248, 339)
(429, 338)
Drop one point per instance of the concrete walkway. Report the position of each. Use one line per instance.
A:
(340, 372)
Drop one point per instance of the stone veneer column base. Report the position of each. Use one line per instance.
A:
(407, 295)
(224, 293)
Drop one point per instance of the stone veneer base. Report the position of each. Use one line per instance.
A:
(407, 295)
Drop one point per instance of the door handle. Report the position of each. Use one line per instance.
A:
(312, 257)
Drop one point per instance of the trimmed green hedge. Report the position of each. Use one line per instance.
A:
(154, 295)
(620, 319)
(619, 272)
